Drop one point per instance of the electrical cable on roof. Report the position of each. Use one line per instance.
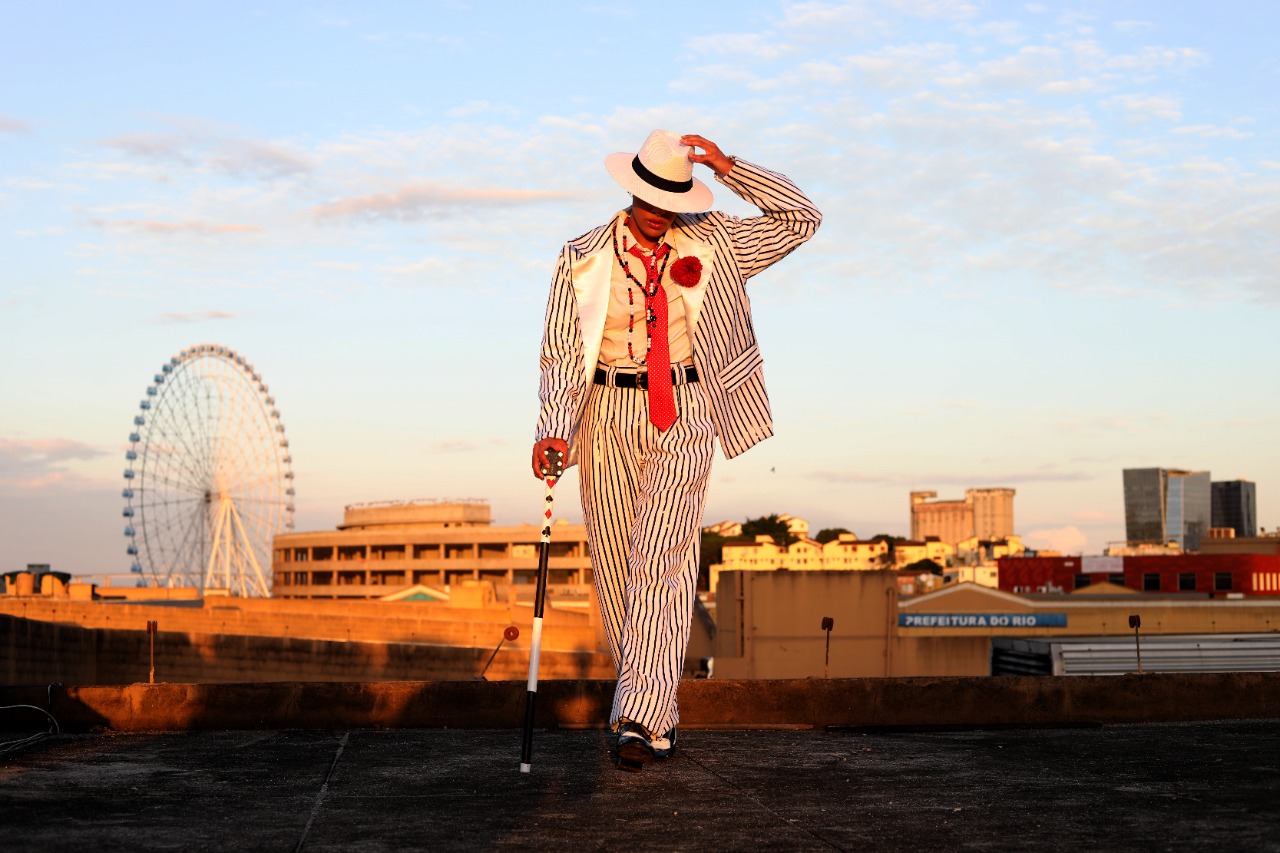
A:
(12, 746)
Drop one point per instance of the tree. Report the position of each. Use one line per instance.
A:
(769, 525)
(712, 552)
(923, 566)
(830, 534)
(892, 541)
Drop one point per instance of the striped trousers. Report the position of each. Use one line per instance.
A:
(643, 493)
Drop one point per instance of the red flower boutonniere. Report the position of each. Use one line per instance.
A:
(686, 271)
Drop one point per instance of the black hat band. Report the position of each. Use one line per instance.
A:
(657, 182)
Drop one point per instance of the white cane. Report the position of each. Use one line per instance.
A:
(539, 603)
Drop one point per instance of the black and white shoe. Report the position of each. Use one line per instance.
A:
(665, 745)
(634, 747)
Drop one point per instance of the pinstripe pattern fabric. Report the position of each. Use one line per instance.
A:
(642, 495)
(643, 491)
(724, 344)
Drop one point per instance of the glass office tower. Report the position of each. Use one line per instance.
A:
(1235, 505)
(1163, 505)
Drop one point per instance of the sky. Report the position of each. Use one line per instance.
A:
(1050, 244)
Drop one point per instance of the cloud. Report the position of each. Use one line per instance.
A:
(152, 226)
(431, 266)
(28, 183)
(193, 317)
(150, 146)
(1006, 32)
(51, 231)
(834, 16)
(1209, 131)
(900, 67)
(1030, 68)
(250, 156)
(9, 124)
(1051, 167)
(1146, 107)
(40, 463)
(1151, 59)
(197, 146)
(1133, 26)
(946, 10)
(721, 75)
(1066, 540)
(828, 16)
(973, 481)
(421, 199)
(1079, 86)
(755, 46)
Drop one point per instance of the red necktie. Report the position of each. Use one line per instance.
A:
(662, 403)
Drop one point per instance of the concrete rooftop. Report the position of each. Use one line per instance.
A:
(1171, 786)
(1144, 763)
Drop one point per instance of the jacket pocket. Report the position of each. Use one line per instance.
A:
(740, 368)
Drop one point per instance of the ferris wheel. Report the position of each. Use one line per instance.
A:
(210, 477)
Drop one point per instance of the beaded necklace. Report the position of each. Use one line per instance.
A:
(650, 317)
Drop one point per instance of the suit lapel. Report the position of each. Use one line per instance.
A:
(591, 275)
(687, 246)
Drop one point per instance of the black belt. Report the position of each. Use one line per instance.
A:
(641, 380)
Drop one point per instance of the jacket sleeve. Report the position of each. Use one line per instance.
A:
(558, 389)
(789, 217)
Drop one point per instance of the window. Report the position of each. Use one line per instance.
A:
(1187, 582)
(1151, 582)
(1222, 581)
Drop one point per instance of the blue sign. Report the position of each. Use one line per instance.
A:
(982, 620)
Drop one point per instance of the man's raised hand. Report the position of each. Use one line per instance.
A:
(713, 157)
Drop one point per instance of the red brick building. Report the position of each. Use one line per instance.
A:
(1248, 574)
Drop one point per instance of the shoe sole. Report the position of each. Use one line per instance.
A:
(633, 756)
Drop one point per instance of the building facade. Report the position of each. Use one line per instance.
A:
(845, 553)
(1163, 505)
(1212, 574)
(773, 628)
(385, 547)
(1234, 504)
(983, 513)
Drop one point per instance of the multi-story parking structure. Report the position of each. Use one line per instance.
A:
(383, 548)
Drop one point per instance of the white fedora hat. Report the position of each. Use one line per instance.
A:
(661, 174)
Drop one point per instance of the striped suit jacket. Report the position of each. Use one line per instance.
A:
(725, 349)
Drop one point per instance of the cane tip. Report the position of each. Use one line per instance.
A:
(525, 768)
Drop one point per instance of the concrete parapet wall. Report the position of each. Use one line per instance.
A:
(374, 622)
(865, 703)
(32, 651)
(432, 514)
(42, 653)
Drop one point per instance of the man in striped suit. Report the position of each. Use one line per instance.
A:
(648, 356)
